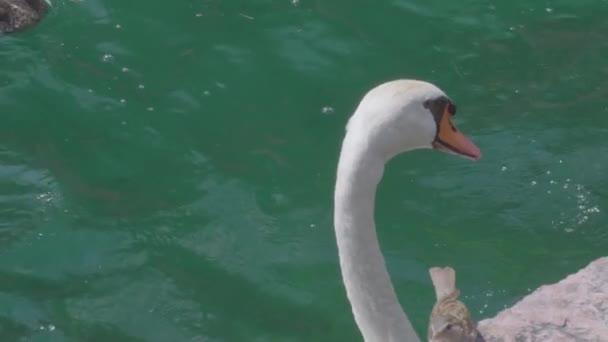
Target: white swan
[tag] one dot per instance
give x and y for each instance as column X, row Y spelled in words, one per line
column 394, row 117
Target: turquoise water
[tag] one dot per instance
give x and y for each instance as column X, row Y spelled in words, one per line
column 166, row 171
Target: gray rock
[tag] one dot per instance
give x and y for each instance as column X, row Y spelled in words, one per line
column 574, row 309
column 17, row 15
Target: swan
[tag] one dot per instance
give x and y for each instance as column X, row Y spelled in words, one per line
column 392, row 118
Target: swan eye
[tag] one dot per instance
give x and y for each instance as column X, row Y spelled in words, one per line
column 448, row 327
column 452, row 109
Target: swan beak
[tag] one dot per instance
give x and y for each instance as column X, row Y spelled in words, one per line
column 450, row 139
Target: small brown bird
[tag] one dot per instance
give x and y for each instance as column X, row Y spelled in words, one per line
column 450, row 319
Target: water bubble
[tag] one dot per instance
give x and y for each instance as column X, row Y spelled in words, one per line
column 220, row 85
column 124, row 69
column 123, row 101
column 118, row 26
column 124, row 123
column 295, row 2
column 312, row 225
column 206, row 93
column 533, row 183
column 51, row 327
column 327, row 110
column 141, row 86
column 198, row 15
column 150, row 109
column 503, row 168
column 46, row 197
column 552, row 182
column 107, row 58
column 548, row 172
column 549, row 9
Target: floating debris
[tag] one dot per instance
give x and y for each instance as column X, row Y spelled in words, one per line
column 246, row 16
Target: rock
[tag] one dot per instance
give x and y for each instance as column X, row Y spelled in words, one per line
column 16, row 15
column 574, row 309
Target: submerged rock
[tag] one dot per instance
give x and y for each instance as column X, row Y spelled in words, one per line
column 574, row 309
column 16, row 15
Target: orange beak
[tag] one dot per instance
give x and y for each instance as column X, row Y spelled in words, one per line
column 450, row 139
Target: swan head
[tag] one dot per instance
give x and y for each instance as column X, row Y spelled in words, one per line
column 404, row 115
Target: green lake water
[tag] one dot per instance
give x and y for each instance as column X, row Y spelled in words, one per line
column 167, row 168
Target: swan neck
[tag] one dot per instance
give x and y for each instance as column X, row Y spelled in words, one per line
column 370, row 291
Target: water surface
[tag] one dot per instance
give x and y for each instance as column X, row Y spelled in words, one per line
column 166, row 171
